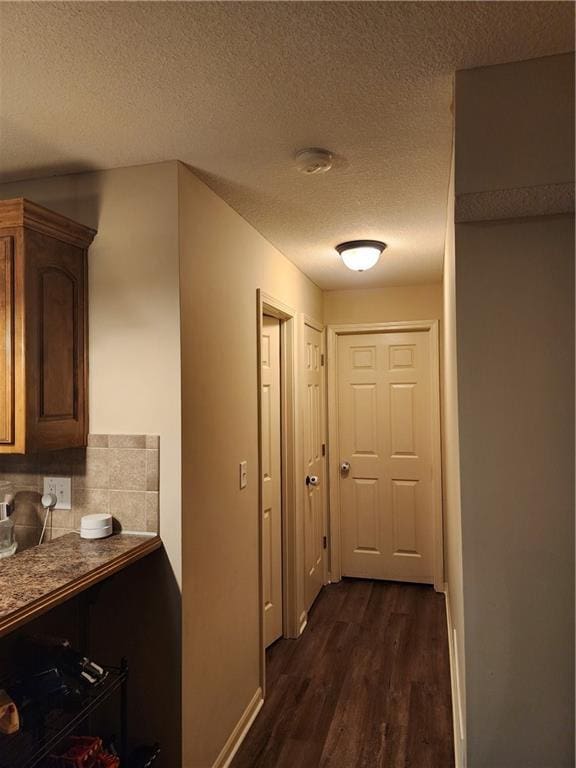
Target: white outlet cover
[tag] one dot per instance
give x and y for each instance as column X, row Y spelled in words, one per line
column 61, row 487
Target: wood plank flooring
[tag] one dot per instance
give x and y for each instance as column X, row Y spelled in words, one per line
column 366, row 686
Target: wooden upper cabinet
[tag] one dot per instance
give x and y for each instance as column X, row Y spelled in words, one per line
column 43, row 329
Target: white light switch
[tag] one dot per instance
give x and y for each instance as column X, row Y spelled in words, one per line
column 61, row 487
column 243, row 474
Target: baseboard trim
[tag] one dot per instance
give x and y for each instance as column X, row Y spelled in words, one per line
column 239, row 733
column 303, row 622
column 459, row 744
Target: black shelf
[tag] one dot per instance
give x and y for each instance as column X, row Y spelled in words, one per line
column 27, row 748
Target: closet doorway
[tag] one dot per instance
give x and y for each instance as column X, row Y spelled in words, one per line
column 279, row 559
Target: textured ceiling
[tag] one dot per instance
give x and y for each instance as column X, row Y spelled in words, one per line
column 235, row 88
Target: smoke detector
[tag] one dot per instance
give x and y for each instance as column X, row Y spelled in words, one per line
column 312, row 161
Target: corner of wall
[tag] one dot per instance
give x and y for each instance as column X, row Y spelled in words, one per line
column 451, row 486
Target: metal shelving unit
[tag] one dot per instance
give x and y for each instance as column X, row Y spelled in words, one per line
column 28, row 748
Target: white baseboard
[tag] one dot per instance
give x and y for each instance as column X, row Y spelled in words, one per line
column 239, row 733
column 457, row 724
column 303, row 622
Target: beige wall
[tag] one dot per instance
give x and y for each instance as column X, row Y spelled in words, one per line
column 451, row 485
column 382, row 305
column 515, row 125
column 223, row 262
column 135, row 389
column 515, row 342
column 515, row 294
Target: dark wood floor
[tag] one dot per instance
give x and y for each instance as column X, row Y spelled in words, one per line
column 366, row 686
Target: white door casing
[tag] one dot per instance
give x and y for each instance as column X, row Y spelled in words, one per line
column 313, row 434
column 384, row 419
column 271, row 479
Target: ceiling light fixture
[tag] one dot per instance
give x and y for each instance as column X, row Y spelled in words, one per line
column 360, row 255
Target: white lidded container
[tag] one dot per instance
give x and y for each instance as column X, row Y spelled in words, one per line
column 97, row 526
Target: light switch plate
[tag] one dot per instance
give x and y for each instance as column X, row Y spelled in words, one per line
column 61, row 487
column 243, row 474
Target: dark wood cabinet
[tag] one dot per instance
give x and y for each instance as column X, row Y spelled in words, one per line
column 43, row 329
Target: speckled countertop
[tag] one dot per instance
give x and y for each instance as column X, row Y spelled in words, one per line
column 39, row 578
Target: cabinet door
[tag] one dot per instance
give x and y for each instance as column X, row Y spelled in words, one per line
column 6, row 340
column 56, row 343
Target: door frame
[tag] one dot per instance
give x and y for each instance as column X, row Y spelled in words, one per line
column 268, row 305
column 333, row 331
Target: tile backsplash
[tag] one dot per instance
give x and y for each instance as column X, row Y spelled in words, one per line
column 115, row 473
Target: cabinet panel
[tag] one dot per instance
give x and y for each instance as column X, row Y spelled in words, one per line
column 6, row 340
column 55, row 342
column 58, row 316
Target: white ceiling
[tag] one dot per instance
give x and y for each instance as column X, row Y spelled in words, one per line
column 235, row 88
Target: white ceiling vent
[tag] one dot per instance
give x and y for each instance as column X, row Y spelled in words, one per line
column 311, row 161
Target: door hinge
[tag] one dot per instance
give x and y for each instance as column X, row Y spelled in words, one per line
column 323, row 449
column 321, row 359
column 324, row 542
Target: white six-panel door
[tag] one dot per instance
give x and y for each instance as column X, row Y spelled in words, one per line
column 271, row 479
column 313, row 423
column 385, row 433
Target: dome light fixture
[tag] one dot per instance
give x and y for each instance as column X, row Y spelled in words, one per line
column 360, row 255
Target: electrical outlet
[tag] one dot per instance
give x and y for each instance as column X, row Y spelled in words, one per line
column 243, row 474
column 61, row 487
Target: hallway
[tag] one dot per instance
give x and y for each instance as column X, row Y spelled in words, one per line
column 366, row 686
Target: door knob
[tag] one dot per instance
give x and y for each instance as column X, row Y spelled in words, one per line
column 345, row 467
column 312, row 480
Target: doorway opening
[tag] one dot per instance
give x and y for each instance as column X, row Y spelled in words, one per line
column 276, row 472
column 271, row 479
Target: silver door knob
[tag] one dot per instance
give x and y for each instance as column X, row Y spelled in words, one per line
column 312, row 480
column 345, row 467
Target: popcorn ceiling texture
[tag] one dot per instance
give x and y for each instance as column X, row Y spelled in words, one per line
column 115, row 473
column 543, row 200
column 233, row 89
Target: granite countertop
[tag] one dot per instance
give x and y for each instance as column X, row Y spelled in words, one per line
column 39, row 578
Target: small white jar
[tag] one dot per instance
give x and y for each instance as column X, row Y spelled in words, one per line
column 97, row 526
